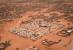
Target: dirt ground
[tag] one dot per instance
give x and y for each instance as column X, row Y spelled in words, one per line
column 23, row 43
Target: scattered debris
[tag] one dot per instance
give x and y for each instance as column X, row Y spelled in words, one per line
column 32, row 48
column 49, row 43
column 66, row 32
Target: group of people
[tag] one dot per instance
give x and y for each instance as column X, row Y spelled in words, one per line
column 36, row 27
